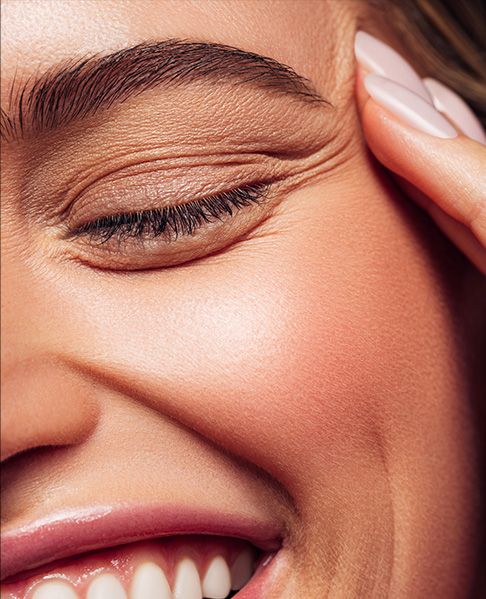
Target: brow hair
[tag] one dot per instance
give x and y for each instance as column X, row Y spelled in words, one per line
column 80, row 88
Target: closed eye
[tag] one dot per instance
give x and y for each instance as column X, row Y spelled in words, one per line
column 171, row 222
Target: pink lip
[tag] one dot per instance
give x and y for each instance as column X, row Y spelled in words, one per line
column 76, row 531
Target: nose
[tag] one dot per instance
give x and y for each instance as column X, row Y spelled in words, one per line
column 46, row 400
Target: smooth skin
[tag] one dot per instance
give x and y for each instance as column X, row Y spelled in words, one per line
column 446, row 177
column 320, row 374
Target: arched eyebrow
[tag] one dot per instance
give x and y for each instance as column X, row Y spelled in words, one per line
column 81, row 88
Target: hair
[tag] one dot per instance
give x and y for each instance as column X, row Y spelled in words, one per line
column 448, row 39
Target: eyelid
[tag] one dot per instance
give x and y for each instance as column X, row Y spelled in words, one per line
column 171, row 222
column 129, row 253
column 158, row 183
column 114, row 223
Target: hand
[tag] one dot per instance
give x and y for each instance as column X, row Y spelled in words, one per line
column 439, row 162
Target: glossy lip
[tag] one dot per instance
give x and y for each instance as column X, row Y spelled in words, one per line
column 76, row 531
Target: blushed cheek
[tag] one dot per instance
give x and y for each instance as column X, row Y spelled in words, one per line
column 322, row 351
column 294, row 346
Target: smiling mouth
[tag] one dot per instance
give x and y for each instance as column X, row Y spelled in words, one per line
column 137, row 552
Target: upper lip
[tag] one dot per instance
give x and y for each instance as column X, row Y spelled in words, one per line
column 78, row 530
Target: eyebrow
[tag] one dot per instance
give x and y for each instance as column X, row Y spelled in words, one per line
column 80, row 88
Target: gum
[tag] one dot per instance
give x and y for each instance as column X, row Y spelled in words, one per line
column 123, row 560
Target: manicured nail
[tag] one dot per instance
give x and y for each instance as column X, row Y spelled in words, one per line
column 408, row 106
column 451, row 104
column 379, row 58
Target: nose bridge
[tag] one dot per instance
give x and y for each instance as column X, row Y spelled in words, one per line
column 45, row 399
column 24, row 323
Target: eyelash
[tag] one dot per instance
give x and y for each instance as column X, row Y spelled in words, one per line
column 172, row 221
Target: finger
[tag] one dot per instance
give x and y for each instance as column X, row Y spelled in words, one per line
column 414, row 141
column 442, row 171
column 454, row 107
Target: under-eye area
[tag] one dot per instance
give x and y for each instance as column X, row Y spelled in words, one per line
column 182, row 567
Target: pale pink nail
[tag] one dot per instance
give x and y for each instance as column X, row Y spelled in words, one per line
column 379, row 58
column 408, row 106
column 451, row 104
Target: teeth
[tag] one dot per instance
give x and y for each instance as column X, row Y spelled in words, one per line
column 54, row 589
column 217, row 580
column 150, row 582
column 106, row 586
column 187, row 584
column 242, row 570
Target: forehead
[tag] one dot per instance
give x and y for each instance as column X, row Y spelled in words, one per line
column 304, row 34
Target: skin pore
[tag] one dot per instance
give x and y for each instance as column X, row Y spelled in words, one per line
column 300, row 364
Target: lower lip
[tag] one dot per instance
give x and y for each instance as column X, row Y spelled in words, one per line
column 266, row 578
column 78, row 531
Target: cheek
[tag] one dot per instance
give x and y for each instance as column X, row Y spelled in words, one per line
column 320, row 353
column 302, row 344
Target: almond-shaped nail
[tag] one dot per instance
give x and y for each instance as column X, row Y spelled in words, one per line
column 451, row 104
column 379, row 58
column 408, row 107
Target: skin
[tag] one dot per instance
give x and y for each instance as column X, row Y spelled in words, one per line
column 317, row 371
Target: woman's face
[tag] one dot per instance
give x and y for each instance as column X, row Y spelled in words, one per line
column 288, row 375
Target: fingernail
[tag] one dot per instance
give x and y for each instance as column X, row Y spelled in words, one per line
column 379, row 58
column 451, row 104
column 408, row 106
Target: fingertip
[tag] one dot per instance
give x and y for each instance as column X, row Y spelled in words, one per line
column 456, row 109
column 408, row 107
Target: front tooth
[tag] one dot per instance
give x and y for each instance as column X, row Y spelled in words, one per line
column 106, row 586
column 187, row 584
column 242, row 570
column 54, row 589
column 217, row 580
column 150, row 582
